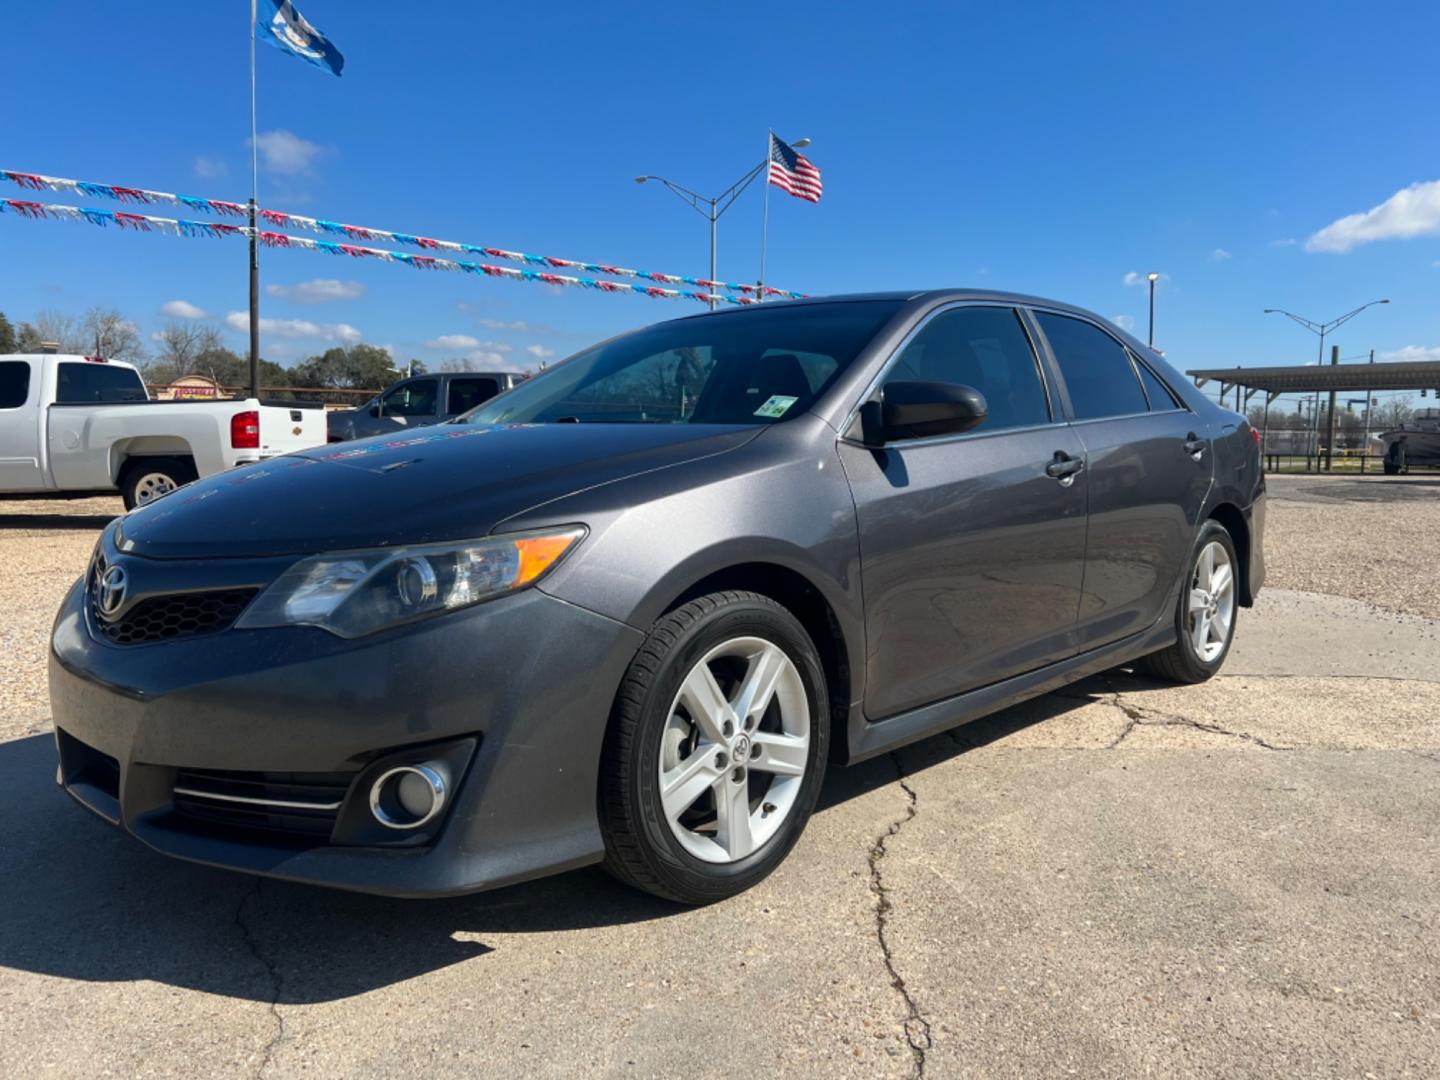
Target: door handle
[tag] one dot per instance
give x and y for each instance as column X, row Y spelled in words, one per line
column 1194, row 447
column 1064, row 468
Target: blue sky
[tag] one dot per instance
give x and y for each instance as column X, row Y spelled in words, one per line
column 1052, row 149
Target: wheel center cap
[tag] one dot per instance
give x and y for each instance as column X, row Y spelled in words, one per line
column 740, row 748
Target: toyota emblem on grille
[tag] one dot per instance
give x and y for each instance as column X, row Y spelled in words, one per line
column 112, row 591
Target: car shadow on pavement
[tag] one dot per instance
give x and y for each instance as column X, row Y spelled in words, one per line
column 81, row 900
column 66, row 522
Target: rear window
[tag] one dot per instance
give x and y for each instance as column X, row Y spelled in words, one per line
column 14, row 383
column 81, row 382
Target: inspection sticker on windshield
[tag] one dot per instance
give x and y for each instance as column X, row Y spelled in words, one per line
column 776, row 406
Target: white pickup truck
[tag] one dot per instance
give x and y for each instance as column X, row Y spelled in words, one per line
column 77, row 424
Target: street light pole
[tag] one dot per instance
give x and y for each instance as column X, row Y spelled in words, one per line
column 1322, row 329
column 711, row 208
column 1152, row 277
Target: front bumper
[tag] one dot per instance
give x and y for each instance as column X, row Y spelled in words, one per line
column 527, row 680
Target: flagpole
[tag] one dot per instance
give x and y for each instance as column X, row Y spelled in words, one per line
column 765, row 216
column 254, row 236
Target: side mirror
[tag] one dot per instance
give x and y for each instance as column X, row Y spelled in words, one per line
column 919, row 410
column 375, row 409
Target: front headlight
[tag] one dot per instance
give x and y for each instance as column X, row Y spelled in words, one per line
column 353, row 593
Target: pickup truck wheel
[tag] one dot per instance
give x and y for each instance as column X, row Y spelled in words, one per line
column 144, row 480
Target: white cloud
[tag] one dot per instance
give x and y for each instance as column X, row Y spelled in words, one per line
column 181, row 309
column 489, row 360
column 452, row 342
column 285, row 152
column 1219, row 255
column 540, row 352
column 318, row 291
column 1124, row 322
column 207, row 167
column 1412, row 353
column 1132, row 278
column 296, row 328
column 520, row 326
column 1411, row 211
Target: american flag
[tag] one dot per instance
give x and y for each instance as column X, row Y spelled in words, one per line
column 792, row 172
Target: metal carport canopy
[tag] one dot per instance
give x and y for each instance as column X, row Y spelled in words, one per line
column 1305, row 378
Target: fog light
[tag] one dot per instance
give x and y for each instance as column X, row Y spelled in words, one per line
column 408, row 796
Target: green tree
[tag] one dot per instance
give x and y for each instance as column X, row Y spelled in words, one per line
column 28, row 339
column 8, row 343
column 360, row 367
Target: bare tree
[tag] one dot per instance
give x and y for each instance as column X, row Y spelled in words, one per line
column 184, row 345
column 111, row 335
column 1393, row 412
column 62, row 329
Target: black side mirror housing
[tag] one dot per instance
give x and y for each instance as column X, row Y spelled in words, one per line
column 920, row 410
column 374, row 410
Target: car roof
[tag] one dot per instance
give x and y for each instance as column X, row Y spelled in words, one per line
column 904, row 296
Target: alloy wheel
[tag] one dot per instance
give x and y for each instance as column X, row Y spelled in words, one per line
column 151, row 486
column 735, row 748
column 1211, row 610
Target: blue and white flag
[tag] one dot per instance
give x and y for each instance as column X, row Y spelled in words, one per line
column 281, row 25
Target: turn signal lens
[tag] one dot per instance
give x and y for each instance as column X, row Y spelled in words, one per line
column 539, row 553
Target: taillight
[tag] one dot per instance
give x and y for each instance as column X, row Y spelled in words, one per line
column 245, row 430
column 1255, row 435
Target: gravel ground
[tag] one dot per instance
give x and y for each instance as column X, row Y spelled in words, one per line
column 44, row 545
column 1369, row 538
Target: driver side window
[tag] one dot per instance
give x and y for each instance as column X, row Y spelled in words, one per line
column 410, row 399
column 985, row 348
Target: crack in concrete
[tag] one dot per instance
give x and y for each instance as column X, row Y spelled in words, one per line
column 276, row 981
column 1139, row 716
column 917, row 1028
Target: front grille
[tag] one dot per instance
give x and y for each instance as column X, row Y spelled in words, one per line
column 289, row 806
column 179, row 615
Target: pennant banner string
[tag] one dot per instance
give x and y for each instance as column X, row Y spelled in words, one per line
column 180, row 227
column 141, row 196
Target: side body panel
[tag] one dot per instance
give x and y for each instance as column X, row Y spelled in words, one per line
column 972, row 560
column 22, row 434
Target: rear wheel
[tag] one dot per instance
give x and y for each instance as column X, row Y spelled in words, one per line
column 1205, row 615
column 145, row 479
column 716, row 749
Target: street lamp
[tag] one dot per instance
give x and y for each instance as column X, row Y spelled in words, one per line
column 1152, row 277
column 712, row 208
column 1322, row 329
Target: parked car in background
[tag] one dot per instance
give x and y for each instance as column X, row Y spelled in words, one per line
column 83, row 424
column 1415, row 442
column 418, row 401
column 627, row 612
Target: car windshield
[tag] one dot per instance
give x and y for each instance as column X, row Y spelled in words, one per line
column 758, row 366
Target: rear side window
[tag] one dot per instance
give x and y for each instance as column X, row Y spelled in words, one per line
column 1096, row 367
column 465, row 394
column 985, row 348
column 1161, row 399
column 14, row 383
column 80, row 382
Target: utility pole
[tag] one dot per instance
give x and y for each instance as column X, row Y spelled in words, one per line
column 254, row 232
column 1152, row 277
column 1330, row 444
column 1365, row 441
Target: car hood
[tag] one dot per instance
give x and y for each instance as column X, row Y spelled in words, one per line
column 450, row 482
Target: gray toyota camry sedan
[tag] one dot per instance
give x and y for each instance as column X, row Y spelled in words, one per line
column 628, row 611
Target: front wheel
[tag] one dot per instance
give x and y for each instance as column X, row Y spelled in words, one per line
column 716, row 749
column 146, row 479
column 1205, row 616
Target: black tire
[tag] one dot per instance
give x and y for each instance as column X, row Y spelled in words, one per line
column 640, row 847
column 137, row 477
column 1180, row 662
